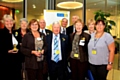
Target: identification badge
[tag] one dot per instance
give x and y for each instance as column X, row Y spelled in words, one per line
column 94, row 51
column 76, row 55
column 57, row 52
column 39, row 39
column 82, row 42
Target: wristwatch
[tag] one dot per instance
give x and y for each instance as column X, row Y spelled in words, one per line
column 110, row 63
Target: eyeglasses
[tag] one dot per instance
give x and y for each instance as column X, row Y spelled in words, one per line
column 100, row 25
column 34, row 24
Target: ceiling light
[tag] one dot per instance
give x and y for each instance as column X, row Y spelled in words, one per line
column 34, row 6
column 12, row 1
column 70, row 5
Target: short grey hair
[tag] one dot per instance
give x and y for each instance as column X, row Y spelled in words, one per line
column 23, row 19
column 56, row 22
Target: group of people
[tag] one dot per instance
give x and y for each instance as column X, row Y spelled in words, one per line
column 46, row 53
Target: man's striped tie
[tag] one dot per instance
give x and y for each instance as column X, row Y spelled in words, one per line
column 56, row 50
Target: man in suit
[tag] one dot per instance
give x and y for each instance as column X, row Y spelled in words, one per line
column 42, row 29
column 64, row 24
column 71, row 29
column 57, row 53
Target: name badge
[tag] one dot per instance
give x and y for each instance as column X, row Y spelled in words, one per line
column 76, row 55
column 82, row 42
column 57, row 52
column 94, row 51
column 39, row 39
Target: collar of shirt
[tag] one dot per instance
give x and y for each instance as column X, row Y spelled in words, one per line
column 73, row 28
column 58, row 36
column 43, row 31
column 62, row 29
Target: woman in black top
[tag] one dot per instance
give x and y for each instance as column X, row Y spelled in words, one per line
column 34, row 47
column 10, row 67
column 19, row 33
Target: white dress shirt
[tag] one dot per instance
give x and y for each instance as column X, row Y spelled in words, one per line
column 59, row 47
column 62, row 28
column 43, row 31
column 73, row 28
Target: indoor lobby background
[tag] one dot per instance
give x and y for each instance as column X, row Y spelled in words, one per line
column 35, row 8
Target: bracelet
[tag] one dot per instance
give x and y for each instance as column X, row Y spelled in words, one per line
column 110, row 63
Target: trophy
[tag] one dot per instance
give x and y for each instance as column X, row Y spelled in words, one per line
column 39, row 50
column 15, row 47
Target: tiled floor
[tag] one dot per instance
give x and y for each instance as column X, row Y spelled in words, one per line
column 114, row 74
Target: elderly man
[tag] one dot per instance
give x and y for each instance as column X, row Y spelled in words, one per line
column 64, row 24
column 57, row 53
column 42, row 29
column 42, row 24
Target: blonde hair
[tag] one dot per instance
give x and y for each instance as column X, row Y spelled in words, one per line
column 91, row 21
column 7, row 16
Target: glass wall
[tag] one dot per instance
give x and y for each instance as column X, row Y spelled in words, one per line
column 35, row 9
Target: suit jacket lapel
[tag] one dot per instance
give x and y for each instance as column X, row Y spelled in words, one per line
column 61, row 40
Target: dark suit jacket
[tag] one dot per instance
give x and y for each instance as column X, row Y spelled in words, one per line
column 69, row 29
column 64, row 43
column 28, row 44
column 48, row 31
column 83, row 49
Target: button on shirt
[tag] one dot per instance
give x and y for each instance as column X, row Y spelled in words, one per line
column 42, row 30
column 59, row 47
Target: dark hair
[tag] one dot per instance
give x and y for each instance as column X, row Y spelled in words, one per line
column 100, row 20
column 33, row 21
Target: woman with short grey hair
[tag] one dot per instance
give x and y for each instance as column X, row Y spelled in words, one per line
column 19, row 34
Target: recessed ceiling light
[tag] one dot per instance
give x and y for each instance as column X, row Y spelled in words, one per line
column 34, row 6
column 12, row 1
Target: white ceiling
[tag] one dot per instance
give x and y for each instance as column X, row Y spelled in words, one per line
column 107, row 5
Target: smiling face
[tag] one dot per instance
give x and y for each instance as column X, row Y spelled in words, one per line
column 64, row 22
column 100, row 26
column 56, row 28
column 91, row 26
column 42, row 24
column 34, row 26
column 23, row 25
column 8, row 23
column 74, row 18
column 78, row 26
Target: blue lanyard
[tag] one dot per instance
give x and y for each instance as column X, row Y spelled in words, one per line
column 95, row 41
